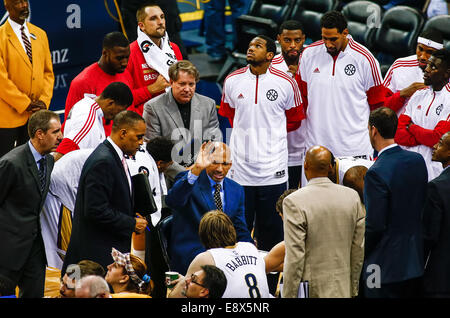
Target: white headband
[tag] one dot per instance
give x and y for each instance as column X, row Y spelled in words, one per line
column 430, row 43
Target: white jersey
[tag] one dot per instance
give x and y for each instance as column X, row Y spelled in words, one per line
column 84, row 124
column 345, row 163
column 144, row 162
column 62, row 191
column 296, row 138
column 427, row 108
column 258, row 141
column 244, row 269
column 402, row 73
column 338, row 108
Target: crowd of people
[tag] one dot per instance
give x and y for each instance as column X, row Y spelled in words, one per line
column 331, row 182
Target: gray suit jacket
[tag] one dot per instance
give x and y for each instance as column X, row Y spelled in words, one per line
column 163, row 118
column 21, row 201
column 324, row 237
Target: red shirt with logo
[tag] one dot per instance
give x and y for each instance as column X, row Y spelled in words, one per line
column 143, row 76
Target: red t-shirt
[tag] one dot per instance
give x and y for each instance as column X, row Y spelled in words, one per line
column 143, row 75
column 93, row 80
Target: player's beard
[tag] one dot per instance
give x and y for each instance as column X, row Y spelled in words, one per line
column 291, row 60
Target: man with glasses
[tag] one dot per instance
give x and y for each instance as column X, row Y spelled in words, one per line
column 208, row 282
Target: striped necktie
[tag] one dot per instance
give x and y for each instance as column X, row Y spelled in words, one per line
column 42, row 163
column 27, row 44
column 217, row 198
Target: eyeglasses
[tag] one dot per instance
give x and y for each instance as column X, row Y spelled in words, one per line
column 193, row 278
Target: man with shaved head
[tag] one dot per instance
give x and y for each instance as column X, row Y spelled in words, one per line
column 323, row 233
column 436, row 224
column 203, row 188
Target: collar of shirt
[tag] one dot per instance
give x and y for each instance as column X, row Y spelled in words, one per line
column 253, row 76
column 213, row 183
column 116, row 148
column 386, row 148
column 16, row 28
column 36, row 155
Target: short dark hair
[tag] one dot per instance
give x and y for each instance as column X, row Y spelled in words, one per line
column 113, row 39
column 40, row 120
column 433, row 35
column 270, row 43
column 160, row 148
column 444, row 55
column 126, row 119
column 215, row 280
column 291, row 25
column 333, row 19
column 385, row 121
column 279, row 204
column 119, row 92
column 87, row 267
column 140, row 13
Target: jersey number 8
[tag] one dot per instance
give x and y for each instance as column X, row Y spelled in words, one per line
column 251, row 282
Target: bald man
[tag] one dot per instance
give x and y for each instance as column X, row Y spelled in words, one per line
column 323, row 233
column 203, row 188
column 436, row 224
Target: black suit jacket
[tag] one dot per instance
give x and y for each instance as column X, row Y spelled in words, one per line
column 436, row 223
column 21, row 202
column 103, row 215
column 394, row 195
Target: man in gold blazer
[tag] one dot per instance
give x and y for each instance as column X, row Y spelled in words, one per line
column 26, row 74
column 324, row 227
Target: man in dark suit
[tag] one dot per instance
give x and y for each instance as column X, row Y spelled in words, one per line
column 103, row 215
column 200, row 190
column 394, row 195
column 436, row 223
column 25, row 177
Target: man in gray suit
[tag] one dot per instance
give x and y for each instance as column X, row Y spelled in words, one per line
column 25, row 178
column 182, row 115
column 323, row 233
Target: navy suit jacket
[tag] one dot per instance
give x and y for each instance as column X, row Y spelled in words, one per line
column 436, row 221
column 189, row 203
column 394, row 194
column 103, row 217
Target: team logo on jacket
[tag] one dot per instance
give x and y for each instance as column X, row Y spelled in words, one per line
column 439, row 109
column 272, row 95
column 145, row 46
column 350, row 69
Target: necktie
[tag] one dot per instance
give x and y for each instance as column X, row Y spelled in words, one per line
column 217, row 199
column 27, row 44
column 127, row 173
column 42, row 163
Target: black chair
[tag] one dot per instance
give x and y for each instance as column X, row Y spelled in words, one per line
column 309, row 13
column 264, row 17
column 440, row 23
column 164, row 229
column 397, row 35
column 363, row 17
column 157, row 258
